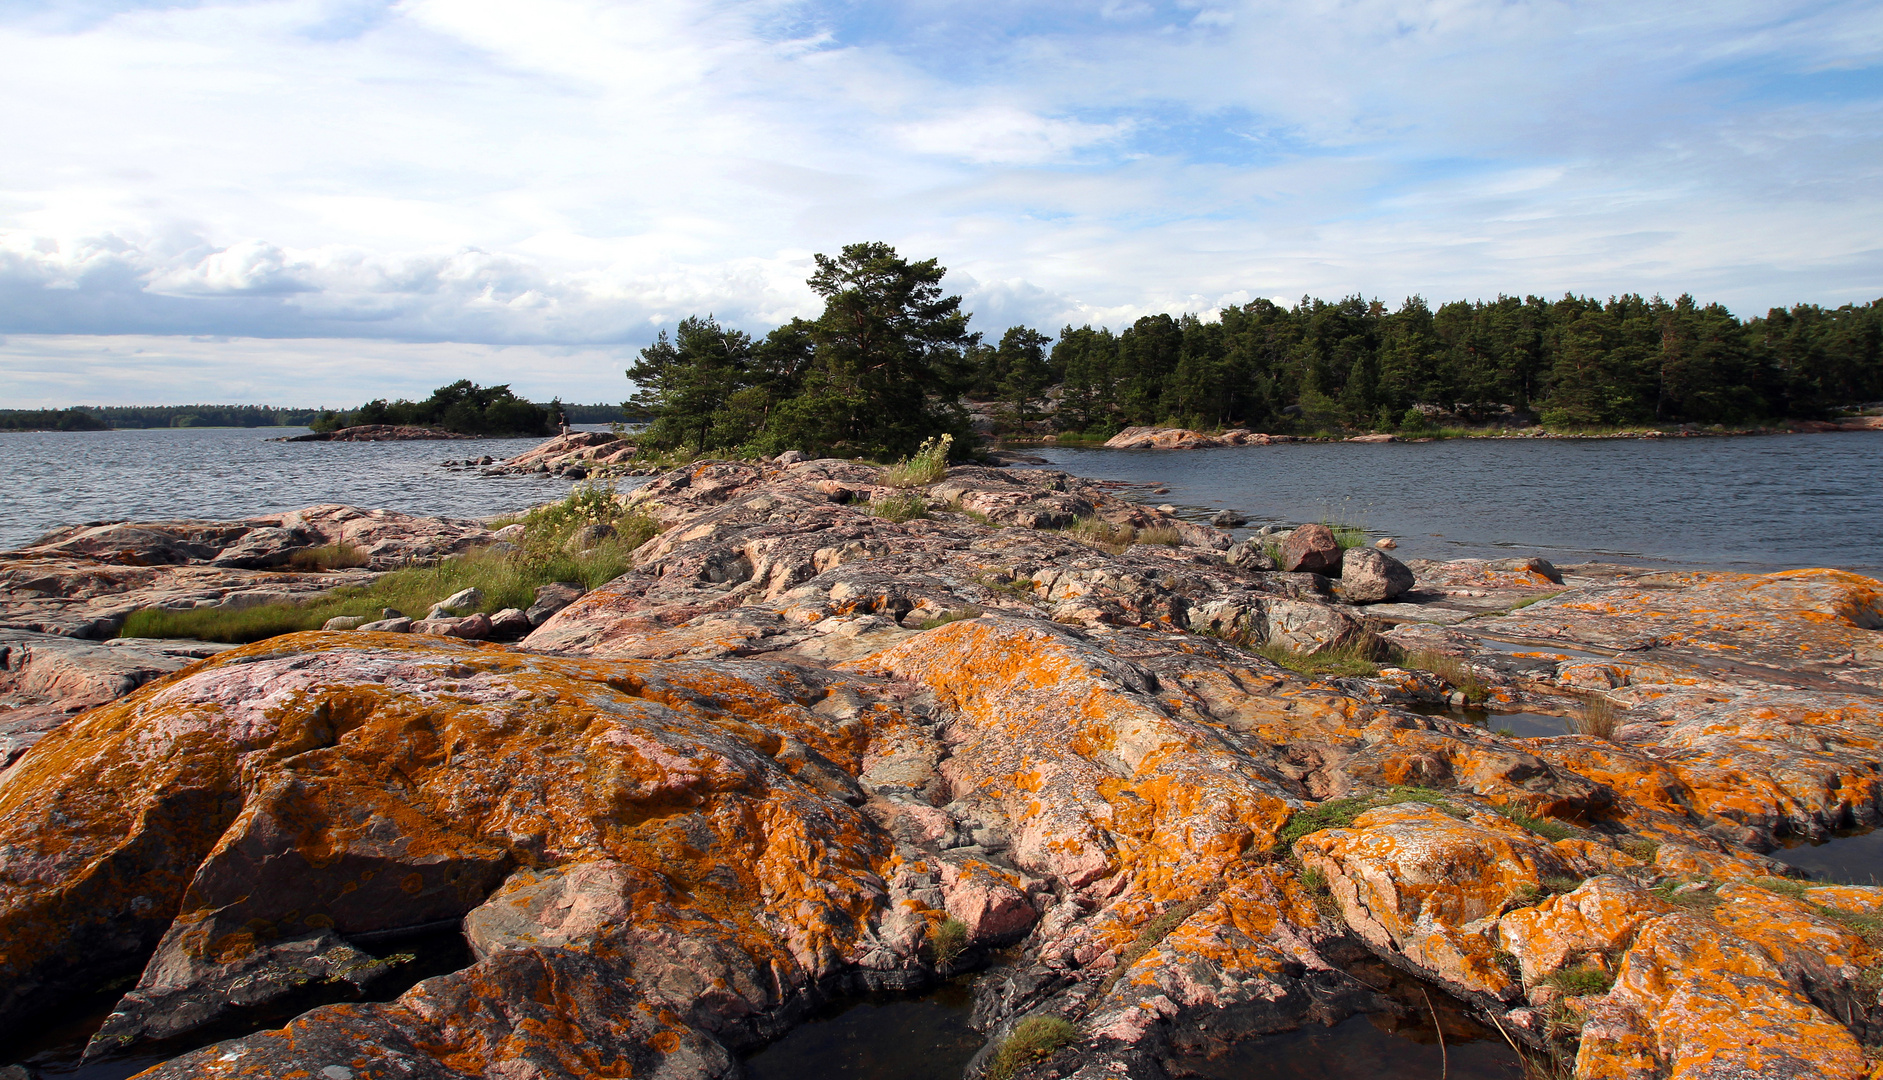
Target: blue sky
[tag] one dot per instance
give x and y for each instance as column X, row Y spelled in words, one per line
column 303, row 201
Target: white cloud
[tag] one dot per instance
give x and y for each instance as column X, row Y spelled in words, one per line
column 576, row 173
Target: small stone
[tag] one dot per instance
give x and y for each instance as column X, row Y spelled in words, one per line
column 1166, row 508
column 790, row 457
column 344, row 622
column 1386, row 543
column 510, row 624
column 1228, row 519
column 552, row 598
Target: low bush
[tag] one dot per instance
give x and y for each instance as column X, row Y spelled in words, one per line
column 1034, row 1039
column 1167, row 537
column 929, row 464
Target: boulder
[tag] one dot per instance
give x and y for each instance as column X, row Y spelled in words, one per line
column 552, row 598
column 345, row 622
column 1370, row 576
column 460, row 602
column 1311, row 548
column 509, row 624
column 1228, row 519
column 1251, row 555
column 399, row 625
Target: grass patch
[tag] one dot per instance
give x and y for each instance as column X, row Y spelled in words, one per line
column 929, row 464
column 340, row 556
column 506, row 579
column 1103, row 534
column 1347, row 536
column 1034, row 1039
column 1676, row 891
column 1322, row 894
column 1165, row 536
column 1641, row 847
column 1458, row 674
column 905, row 506
column 1352, row 658
column 1578, row 981
column 947, row 940
column 1339, row 813
column 955, row 507
column 1545, row 827
column 1539, row 598
column 1598, row 717
column 1017, row 587
column 946, row 617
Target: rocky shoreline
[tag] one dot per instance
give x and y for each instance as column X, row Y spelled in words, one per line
column 802, row 749
column 1173, row 438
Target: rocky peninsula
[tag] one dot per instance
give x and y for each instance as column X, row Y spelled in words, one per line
column 829, row 735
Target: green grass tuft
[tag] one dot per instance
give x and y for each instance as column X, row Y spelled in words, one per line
column 1545, row 827
column 1034, row 1039
column 1578, row 981
column 1352, row 658
column 929, row 464
column 1457, row 673
column 969, row 612
column 507, row 580
column 906, row 506
column 947, row 940
column 1339, row 813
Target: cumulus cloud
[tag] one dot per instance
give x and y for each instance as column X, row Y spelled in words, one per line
column 577, row 173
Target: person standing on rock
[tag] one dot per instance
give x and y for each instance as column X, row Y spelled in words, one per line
column 562, row 421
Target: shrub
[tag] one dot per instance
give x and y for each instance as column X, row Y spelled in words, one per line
column 929, row 464
column 947, row 940
column 906, row 506
column 1168, row 537
column 1103, row 534
column 1597, row 717
column 1034, row 1039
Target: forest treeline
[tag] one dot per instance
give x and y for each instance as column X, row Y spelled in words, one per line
column 890, row 358
column 463, row 407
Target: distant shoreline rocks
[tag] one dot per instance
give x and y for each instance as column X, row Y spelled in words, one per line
column 376, row 433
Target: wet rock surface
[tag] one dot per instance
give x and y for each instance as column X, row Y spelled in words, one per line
column 800, row 751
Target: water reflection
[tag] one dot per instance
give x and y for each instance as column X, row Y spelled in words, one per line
column 1368, row 1047
column 878, row 1037
column 1521, row 725
column 1854, row 858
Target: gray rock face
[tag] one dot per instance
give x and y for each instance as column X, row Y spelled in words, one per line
column 76, row 673
column 1370, row 576
column 550, row 599
column 1311, row 548
column 400, row 625
column 461, row 602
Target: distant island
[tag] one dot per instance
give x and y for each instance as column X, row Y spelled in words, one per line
column 108, row 417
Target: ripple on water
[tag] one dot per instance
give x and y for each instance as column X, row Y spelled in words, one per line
column 1853, row 858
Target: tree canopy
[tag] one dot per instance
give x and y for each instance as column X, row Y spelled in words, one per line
column 891, row 357
column 463, row 407
column 879, row 371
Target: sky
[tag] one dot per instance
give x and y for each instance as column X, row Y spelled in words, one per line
column 318, row 202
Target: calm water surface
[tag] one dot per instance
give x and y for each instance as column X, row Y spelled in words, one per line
column 1748, row 503
column 52, row 479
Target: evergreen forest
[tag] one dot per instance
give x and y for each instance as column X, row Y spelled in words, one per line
column 891, row 359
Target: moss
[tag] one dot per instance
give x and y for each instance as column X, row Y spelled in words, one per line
column 969, row 612
column 1034, row 1039
column 1339, row 813
column 1544, row 827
